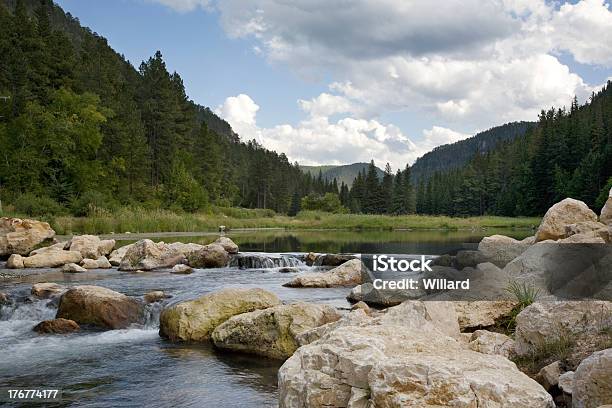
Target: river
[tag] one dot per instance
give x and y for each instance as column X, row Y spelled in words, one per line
column 135, row 367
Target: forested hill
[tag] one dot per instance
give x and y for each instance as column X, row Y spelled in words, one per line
column 452, row 156
column 568, row 154
column 81, row 128
column 346, row 173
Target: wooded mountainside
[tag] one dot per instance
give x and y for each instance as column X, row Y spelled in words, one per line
column 81, row 127
column 454, row 155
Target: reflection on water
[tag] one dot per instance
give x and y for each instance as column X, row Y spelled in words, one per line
column 135, row 367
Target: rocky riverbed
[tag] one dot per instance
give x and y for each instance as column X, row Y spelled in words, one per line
column 104, row 322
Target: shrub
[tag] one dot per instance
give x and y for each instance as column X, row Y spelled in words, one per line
column 330, row 202
column 36, row 206
column 93, row 202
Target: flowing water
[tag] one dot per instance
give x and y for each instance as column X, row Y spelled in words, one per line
column 135, row 367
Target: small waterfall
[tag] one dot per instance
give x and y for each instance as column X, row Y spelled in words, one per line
column 30, row 310
column 252, row 260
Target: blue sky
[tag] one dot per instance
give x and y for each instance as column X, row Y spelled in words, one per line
column 386, row 80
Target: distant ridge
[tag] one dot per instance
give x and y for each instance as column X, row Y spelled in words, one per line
column 455, row 155
column 342, row 173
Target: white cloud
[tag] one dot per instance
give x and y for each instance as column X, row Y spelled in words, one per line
column 439, row 135
column 184, row 5
column 240, row 112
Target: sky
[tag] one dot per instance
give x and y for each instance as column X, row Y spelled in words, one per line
column 336, row 82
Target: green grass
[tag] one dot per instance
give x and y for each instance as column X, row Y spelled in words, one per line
column 145, row 220
column 556, row 349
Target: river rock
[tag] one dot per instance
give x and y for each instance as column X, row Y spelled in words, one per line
column 588, row 227
column 47, row 290
column 543, row 322
column 310, row 258
column 272, row 332
column 209, row 256
column 185, row 248
column 500, row 249
column 467, row 259
column 333, row 259
column 147, row 255
column 606, row 211
column 347, row 274
column 549, row 375
column 89, row 264
column 592, row 385
column 227, row 244
column 155, row 296
column 196, row 319
column 57, row 326
column 52, row 259
column 382, row 297
column 181, row 269
column 91, row 246
column 100, row 307
column 117, row 255
column 4, row 299
column 73, row 268
column 487, row 342
column 566, row 382
column 58, row 246
column 402, row 360
column 482, row 313
column 563, row 213
column 20, row 236
column 103, row 263
column 15, row 261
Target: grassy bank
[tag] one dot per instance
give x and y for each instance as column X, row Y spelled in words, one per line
column 140, row 220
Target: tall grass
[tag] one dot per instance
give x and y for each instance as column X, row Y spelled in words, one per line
column 158, row 220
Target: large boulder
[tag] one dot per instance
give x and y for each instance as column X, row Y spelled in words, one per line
column 272, row 332
column 606, row 211
column 117, row 255
column 185, row 248
column 147, row 255
column 543, row 322
column 482, row 313
column 402, row 358
column 209, row 256
column 73, row 268
column 91, row 246
column 592, row 385
column 499, row 249
column 52, row 259
column 57, row 326
column 195, row 320
column 595, row 229
column 99, row 307
column 347, row 274
column 227, row 244
column 563, row 213
column 20, row 236
column 58, row 246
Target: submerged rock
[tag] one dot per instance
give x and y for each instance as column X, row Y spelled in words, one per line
column 195, row 320
column 272, row 332
column 147, row 255
column 91, row 246
column 347, row 274
column 181, row 269
column 47, row 290
column 100, row 307
column 21, row 236
column 57, row 326
column 155, row 296
column 563, row 213
column 209, row 256
column 52, row 259
column 592, row 386
column 73, row 268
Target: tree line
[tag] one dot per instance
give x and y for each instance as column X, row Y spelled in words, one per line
column 81, row 128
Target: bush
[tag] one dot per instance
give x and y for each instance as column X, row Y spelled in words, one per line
column 182, row 191
column 93, row 202
column 330, row 202
column 35, row 206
